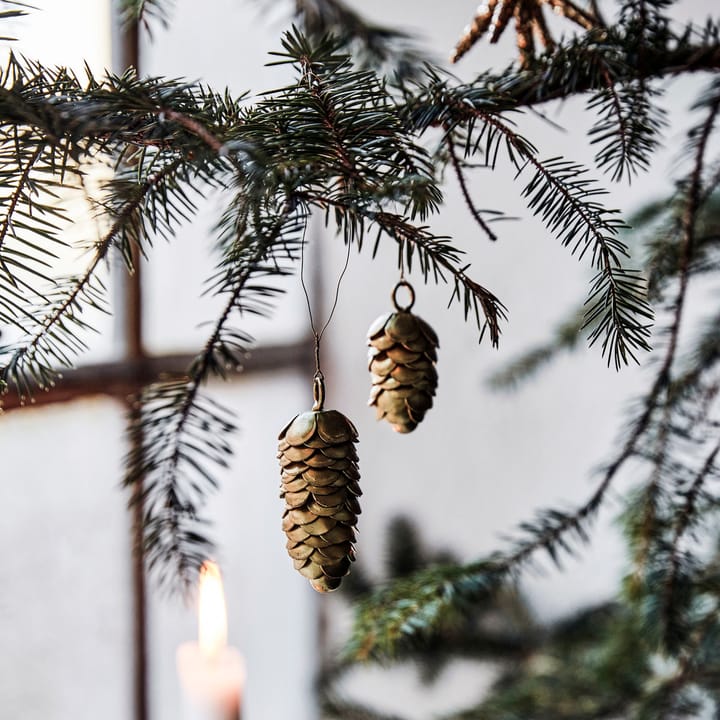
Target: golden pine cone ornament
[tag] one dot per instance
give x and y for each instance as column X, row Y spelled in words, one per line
column 319, row 466
column 402, row 357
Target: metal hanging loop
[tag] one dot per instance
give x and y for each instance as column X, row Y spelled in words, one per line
column 318, row 391
column 403, row 284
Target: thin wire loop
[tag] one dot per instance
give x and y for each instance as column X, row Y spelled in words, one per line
column 317, row 336
column 403, row 283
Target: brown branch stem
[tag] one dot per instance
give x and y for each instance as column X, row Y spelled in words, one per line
column 17, row 192
column 195, row 128
column 466, row 192
column 528, row 91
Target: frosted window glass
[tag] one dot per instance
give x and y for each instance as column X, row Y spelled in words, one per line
column 70, row 33
column 65, row 598
column 67, row 33
column 178, row 317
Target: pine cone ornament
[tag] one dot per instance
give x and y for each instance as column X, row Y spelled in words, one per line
column 402, row 356
column 319, row 466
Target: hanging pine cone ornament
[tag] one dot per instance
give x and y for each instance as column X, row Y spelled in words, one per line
column 319, row 466
column 402, row 356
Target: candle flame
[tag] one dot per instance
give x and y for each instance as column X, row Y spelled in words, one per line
column 212, row 612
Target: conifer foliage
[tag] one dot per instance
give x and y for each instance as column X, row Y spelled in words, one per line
column 348, row 139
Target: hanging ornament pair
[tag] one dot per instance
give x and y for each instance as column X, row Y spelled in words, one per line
column 316, row 450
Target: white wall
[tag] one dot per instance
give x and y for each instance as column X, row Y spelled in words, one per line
column 65, row 623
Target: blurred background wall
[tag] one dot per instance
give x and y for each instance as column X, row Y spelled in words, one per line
column 480, row 463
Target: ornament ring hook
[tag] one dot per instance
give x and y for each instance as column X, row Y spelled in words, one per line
column 318, row 391
column 403, row 284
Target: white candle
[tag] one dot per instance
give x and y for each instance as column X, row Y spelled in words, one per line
column 212, row 674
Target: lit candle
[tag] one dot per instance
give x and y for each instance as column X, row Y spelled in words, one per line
column 212, row 673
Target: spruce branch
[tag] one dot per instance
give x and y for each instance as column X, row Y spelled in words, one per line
column 32, row 362
column 676, row 564
column 350, row 173
column 436, row 257
column 663, row 248
column 185, row 433
column 367, row 163
column 339, row 140
column 672, row 696
column 627, row 127
column 15, row 197
column 194, row 127
column 71, row 122
column 560, row 194
column 407, row 611
column 579, row 66
column 656, row 555
column 549, row 81
column 410, row 609
column 502, row 627
column 689, row 219
column 175, row 539
column 591, row 665
column 350, row 111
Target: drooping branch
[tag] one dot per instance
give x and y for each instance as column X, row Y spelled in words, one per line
column 410, row 609
column 560, row 194
column 627, row 125
column 185, row 432
column 653, row 399
column 437, row 258
column 407, row 610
